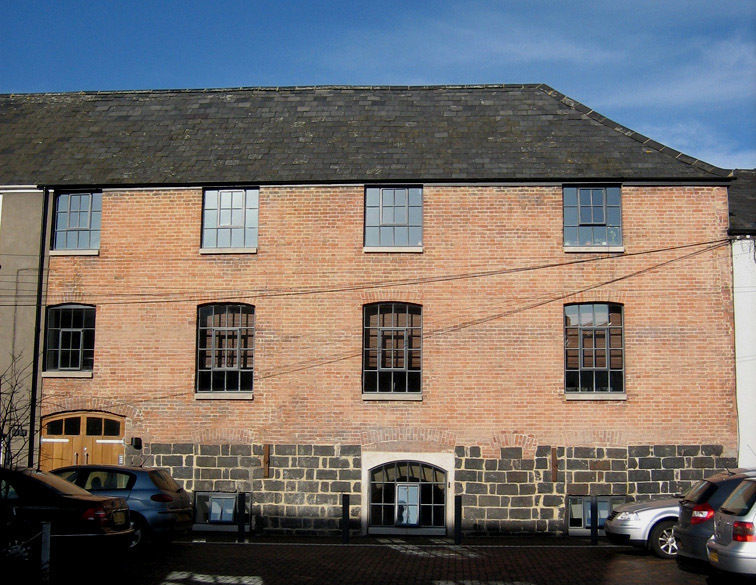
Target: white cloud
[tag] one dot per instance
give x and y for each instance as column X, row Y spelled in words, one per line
column 704, row 142
column 467, row 41
column 713, row 72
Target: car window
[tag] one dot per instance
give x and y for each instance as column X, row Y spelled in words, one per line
column 741, row 499
column 56, row 483
column 724, row 489
column 68, row 474
column 7, row 491
column 164, row 481
column 700, row 492
column 107, row 480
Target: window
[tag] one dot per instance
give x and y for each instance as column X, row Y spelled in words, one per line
column 225, row 348
column 592, row 216
column 392, row 349
column 407, row 494
column 77, row 221
column 393, row 217
column 230, row 218
column 70, row 338
column 594, row 360
column 579, row 512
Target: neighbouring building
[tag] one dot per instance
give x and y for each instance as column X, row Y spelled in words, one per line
column 402, row 294
column 743, row 231
column 21, row 285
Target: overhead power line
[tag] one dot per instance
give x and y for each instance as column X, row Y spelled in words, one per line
column 235, row 294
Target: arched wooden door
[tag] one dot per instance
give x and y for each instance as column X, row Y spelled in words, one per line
column 80, row 438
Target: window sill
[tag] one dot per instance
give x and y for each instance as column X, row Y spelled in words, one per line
column 400, row 249
column 571, row 249
column 75, row 252
column 619, row 396
column 67, row 374
column 228, row 251
column 415, row 397
column 224, row 395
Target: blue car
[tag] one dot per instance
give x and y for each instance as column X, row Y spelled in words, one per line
column 160, row 508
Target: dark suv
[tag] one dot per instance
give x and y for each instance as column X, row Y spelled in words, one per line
column 695, row 523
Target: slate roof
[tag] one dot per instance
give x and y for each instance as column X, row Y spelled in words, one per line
column 742, row 195
column 324, row 134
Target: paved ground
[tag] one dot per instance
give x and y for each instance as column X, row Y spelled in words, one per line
column 390, row 561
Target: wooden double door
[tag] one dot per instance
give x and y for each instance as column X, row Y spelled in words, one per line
column 81, row 438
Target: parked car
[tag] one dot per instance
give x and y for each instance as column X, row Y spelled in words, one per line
column 160, row 508
column 695, row 523
column 78, row 519
column 645, row 524
column 732, row 547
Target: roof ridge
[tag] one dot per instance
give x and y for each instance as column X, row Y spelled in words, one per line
column 274, row 88
column 630, row 133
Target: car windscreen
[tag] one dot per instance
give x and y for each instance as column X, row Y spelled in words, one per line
column 700, row 492
column 58, row 484
column 164, row 481
column 740, row 500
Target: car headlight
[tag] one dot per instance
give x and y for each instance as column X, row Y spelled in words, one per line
column 627, row 516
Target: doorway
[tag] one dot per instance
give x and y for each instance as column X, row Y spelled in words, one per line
column 407, row 497
column 81, row 438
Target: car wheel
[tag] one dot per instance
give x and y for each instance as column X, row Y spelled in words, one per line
column 139, row 536
column 662, row 540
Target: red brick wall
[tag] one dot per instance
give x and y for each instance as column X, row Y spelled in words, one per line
column 502, row 376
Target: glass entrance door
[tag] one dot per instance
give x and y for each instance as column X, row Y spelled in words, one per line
column 407, row 504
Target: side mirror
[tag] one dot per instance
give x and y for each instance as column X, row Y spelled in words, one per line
column 136, row 442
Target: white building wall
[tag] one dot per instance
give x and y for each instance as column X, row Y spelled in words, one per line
column 744, row 287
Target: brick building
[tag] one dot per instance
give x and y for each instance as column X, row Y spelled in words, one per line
column 400, row 294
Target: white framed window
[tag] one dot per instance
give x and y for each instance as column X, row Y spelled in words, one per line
column 77, row 221
column 393, row 218
column 230, row 219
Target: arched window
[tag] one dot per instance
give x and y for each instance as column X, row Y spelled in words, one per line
column 225, row 348
column 70, row 338
column 407, row 494
column 392, row 348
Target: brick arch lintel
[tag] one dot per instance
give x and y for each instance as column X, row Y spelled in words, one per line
column 223, row 436
column 88, row 403
column 387, row 295
column 407, row 439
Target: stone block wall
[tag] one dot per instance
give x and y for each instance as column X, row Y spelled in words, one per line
column 299, row 491
column 522, row 493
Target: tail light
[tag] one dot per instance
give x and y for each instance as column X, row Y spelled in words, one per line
column 701, row 513
column 743, row 532
column 161, row 498
column 95, row 514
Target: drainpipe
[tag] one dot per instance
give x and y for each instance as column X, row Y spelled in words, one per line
column 38, row 327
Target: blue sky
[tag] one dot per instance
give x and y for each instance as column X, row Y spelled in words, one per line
column 681, row 72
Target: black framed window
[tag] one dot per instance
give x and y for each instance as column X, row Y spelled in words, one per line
column 229, row 218
column 407, row 494
column 225, row 348
column 77, row 221
column 392, row 348
column 393, row 217
column 594, row 348
column 70, row 337
column 592, row 216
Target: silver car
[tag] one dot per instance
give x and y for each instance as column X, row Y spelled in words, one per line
column 645, row 524
column 732, row 547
